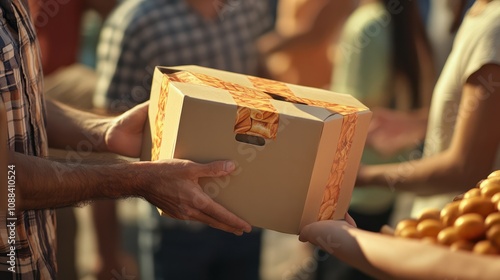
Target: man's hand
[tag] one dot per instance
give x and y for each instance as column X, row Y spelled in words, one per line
column 172, row 186
column 124, row 134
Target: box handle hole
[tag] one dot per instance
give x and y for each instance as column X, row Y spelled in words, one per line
column 250, row 139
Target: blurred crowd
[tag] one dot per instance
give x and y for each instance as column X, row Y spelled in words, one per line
column 99, row 56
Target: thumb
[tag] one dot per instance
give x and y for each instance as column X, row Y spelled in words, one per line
column 304, row 233
column 139, row 111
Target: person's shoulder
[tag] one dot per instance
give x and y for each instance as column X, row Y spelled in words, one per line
column 481, row 31
column 484, row 23
column 493, row 25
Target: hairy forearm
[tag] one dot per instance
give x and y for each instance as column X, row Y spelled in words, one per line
column 50, row 184
column 71, row 128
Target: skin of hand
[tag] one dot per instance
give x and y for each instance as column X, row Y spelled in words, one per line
column 312, row 231
column 392, row 131
column 184, row 198
column 124, row 133
column 334, row 237
column 319, row 232
column 124, row 136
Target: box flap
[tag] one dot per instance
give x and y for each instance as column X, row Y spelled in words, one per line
column 300, row 91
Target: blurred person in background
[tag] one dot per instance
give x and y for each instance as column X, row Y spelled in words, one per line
column 59, row 26
column 392, row 125
column 384, row 60
column 142, row 34
column 396, row 130
column 463, row 105
column 297, row 50
column 457, row 154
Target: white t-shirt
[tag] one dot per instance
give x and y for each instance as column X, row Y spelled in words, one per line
column 477, row 43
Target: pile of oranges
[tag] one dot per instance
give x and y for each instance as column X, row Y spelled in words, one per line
column 471, row 223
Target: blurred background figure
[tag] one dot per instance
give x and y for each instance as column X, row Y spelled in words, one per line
column 455, row 158
column 141, row 34
column 59, row 26
column 383, row 58
column 145, row 33
column 298, row 49
column 394, row 130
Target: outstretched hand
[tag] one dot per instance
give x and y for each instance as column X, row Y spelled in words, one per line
column 325, row 234
column 173, row 187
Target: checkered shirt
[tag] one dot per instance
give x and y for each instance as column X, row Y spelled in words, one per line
column 21, row 83
column 142, row 34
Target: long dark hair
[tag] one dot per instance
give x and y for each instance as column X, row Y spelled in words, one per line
column 463, row 5
column 408, row 28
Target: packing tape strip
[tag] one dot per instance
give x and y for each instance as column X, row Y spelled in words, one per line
column 256, row 114
column 160, row 118
column 346, row 137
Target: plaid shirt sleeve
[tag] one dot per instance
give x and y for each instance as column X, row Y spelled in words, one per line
column 27, row 239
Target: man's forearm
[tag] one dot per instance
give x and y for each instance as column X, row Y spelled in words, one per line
column 71, row 128
column 50, row 184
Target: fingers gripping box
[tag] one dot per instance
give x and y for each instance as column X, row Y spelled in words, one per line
column 297, row 148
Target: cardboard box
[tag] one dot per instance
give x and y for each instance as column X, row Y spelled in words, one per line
column 297, row 148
